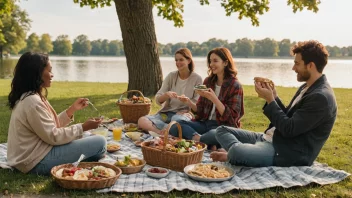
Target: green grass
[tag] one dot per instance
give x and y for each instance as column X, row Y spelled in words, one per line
column 337, row 151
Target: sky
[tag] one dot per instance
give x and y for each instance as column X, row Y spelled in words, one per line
column 332, row 25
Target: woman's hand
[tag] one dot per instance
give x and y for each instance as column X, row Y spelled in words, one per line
column 209, row 94
column 184, row 99
column 79, row 104
column 171, row 94
column 91, row 123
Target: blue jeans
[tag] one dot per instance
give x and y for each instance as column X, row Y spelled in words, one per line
column 206, row 130
column 161, row 120
column 93, row 147
column 245, row 147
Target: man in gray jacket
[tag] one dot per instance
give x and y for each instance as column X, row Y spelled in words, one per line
column 297, row 132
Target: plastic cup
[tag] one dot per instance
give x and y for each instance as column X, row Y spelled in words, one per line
column 117, row 133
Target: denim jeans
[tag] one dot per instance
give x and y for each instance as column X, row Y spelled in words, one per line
column 161, row 120
column 93, row 147
column 206, row 130
column 245, row 147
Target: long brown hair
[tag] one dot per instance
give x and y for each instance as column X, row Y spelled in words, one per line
column 185, row 52
column 225, row 55
column 28, row 77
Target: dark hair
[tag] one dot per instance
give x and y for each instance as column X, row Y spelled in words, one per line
column 225, row 55
column 188, row 55
column 312, row 51
column 27, row 77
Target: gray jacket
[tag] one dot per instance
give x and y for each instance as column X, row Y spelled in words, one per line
column 169, row 85
column 302, row 131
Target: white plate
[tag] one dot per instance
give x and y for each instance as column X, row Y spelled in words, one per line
column 157, row 175
column 229, row 169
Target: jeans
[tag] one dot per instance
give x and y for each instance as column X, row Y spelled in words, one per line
column 161, row 120
column 245, row 147
column 93, row 147
column 206, row 130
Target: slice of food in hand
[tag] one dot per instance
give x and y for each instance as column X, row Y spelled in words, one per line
column 200, row 87
column 264, row 80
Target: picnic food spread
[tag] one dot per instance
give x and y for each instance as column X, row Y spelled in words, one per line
column 209, row 171
column 176, row 145
column 134, row 99
column 264, row 80
column 89, row 173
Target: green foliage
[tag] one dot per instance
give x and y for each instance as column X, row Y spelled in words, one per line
column 62, row 45
column 81, row 45
column 244, row 47
column 33, row 43
column 45, row 44
column 6, row 7
column 14, row 28
column 172, row 10
column 301, row 4
column 93, row 3
column 116, row 48
column 285, row 47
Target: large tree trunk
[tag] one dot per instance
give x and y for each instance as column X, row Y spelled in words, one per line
column 140, row 45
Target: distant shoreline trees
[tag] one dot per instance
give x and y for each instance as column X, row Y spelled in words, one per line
column 82, row 46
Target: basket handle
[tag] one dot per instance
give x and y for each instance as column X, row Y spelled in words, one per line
column 140, row 93
column 166, row 134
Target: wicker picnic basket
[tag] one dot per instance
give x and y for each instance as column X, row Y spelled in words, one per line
column 131, row 112
column 133, row 169
column 86, row 184
column 168, row 159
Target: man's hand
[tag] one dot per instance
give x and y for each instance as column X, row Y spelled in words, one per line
column 264, row 91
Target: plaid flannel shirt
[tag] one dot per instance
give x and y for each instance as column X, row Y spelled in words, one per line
column 231, row 96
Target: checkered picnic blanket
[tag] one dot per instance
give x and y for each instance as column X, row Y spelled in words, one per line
column 245, row 178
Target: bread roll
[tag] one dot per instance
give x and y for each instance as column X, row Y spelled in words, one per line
column 264, row 80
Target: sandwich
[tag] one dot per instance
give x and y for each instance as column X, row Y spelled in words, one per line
column 264, row 80
column 200, row 87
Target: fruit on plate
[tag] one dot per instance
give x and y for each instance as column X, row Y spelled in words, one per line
column 128, row 161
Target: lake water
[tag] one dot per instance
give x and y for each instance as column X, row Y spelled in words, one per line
column 114, row 69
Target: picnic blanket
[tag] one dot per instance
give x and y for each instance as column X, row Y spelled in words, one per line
column 245, row 178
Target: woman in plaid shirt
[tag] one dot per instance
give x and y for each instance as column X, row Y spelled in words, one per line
column 221, row 104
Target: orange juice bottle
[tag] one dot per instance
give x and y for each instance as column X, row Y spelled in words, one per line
column 117, row 133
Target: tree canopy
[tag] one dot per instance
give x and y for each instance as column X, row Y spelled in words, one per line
column 14, row 29
column 173, row 9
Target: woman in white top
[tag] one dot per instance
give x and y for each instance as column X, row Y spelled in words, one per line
column 38, row 138
column 177, row 85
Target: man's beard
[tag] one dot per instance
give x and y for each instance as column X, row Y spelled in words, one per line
column 303, row 76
